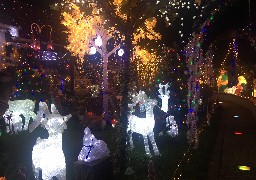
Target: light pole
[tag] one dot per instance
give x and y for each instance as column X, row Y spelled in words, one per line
column 100, row 45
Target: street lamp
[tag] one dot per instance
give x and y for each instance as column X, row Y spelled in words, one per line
column 100, row 45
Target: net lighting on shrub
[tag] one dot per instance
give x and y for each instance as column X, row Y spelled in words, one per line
column 47, row 154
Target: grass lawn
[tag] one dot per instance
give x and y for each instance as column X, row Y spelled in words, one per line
column 16, row 151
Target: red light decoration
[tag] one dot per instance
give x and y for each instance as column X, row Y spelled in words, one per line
column 238, row 133
column 114, row 122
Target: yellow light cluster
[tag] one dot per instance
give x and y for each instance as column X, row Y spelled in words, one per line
column 147, row 31
column 118, row 4
column 147, row 65
column 81, row 30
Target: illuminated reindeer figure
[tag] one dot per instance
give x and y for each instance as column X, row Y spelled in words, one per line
column 164, row 95
column 143, row 126
column 47, row 154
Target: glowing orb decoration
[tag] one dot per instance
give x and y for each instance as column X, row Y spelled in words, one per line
column 171, row 123
column 12, row 115
column 98, row 41
column 120, row 52
column 92, row 149
column 93, row 50
column 47, row 154
column 164, row 95
column 143, row 126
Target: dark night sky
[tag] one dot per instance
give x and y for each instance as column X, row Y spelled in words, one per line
column 231, row 20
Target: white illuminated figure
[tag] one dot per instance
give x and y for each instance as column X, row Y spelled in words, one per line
column 93, row 149
column 230, row 90
column 164, row 95
column 143, row 126
column 47, row 154
column 171, row 123
column 12, row 115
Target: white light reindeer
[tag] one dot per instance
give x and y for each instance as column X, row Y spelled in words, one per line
column 47, row 154
column 164, row 95
column 143, row 126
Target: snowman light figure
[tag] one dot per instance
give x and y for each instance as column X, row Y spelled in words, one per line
column 92, row 149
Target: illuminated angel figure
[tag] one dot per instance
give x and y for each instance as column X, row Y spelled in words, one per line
column 164, row 95
column 143, row 126
column 47, row 154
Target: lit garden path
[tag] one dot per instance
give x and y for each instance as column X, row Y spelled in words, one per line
column 235, row 145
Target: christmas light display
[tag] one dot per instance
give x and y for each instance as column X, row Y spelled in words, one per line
column 254, row 88
column 231, row 64
column 171, row 123
column 49, row 56
column 146, row 61
column 143, row 126
column 92, row 149
column 207, row 72
column 222, row 81
column 231, row 90
column 164, row 95
column 194, row 61
column 95, row 28
column 47, row 154
column 12, row 115
column 241, row 85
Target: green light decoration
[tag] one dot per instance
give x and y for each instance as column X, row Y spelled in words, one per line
column 212, row 17
column 191, row 62
column 244, row 168
column 199, row 44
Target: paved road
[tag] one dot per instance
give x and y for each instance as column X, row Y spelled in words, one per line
column 235, row 145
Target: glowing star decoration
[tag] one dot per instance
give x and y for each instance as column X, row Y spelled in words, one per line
column 92, row 149
column 47, row 154
column 172, row 125
column 143, row 126
column 12, row 115
column 164, row 95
